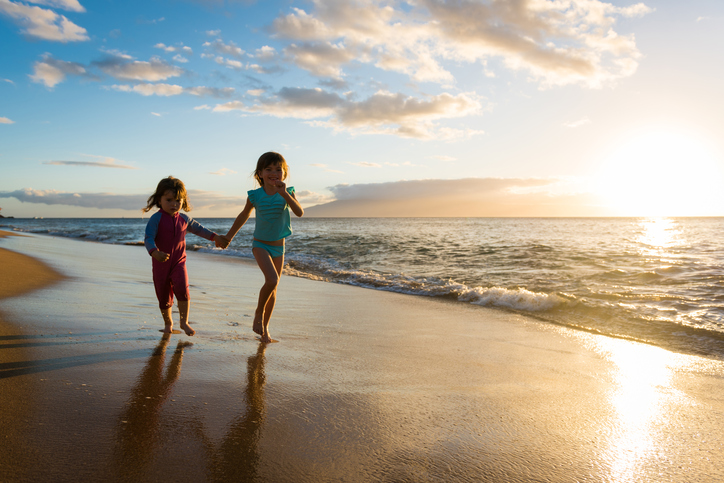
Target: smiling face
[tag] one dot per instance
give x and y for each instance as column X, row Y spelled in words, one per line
column 271, row 174
column 170, row 202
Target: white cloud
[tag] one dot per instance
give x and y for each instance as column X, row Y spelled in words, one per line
column 230, row 106
column 105, row 162
column 156, row 114
column 89, row 200
column 366, row 164
column 152, row 71
column 180, row 58
column 44, row 23
column 235, row 64
column 300, row 25
column 164, row 90
column 71, row 5
column 223, row 172
column 265, row 54
column 230, row 49
column 202, row 107
column 8, row 81
column 134, row 202
column 324, row 167
column 117, row 53
column 52, row 71
column 213, row 33
column 311, row 198
column 171, row 49
column 5, row 120
column 381, row 113
column 581, row 122
column 556, row 42
column 445, row 158
column 202, row 91
column 165, row 47
column 321, row 59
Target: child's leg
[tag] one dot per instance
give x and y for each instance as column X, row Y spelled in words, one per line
column 272, row 269
column 167, row 320
column 183, row 309
column 164, row 294
column 180, row 283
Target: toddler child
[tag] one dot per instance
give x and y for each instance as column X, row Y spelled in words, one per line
column 166, row 242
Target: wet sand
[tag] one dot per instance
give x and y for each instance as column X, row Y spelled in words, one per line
column 363, row 386
column 19, row 274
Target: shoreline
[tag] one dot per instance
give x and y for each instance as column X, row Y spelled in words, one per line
column 635, row 301
column 364, row 386
column 23, row 273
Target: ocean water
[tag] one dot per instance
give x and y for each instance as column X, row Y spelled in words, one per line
column 655, row 280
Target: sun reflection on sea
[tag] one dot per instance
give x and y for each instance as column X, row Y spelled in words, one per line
column 658, row 242
column 659, row 233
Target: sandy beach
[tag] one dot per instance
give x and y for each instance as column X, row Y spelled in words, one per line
column 363, row 386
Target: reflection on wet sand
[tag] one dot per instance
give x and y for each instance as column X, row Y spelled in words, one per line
column 236, row 458
column 644, row 405
column 138, row 426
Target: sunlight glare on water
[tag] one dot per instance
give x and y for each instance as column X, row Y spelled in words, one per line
column 658, row 233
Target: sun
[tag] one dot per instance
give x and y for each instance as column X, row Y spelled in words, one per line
column 661, row 172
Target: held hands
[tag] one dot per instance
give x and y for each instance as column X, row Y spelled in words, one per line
column 160, row 256
column 221, row 241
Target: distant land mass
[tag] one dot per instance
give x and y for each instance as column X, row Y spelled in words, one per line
column 469, row 197
column 572, row 206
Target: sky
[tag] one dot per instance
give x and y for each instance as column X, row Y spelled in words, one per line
column 381, row 108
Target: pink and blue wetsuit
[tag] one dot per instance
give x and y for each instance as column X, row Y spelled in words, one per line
column 168, row 234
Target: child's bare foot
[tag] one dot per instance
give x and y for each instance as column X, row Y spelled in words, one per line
column 167, row 320
column 266, row 338
column 187, row 328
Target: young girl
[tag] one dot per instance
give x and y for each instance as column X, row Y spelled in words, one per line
column 273, row 224
column 166, row 242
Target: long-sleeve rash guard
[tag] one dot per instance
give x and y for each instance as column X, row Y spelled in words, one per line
column 167, row 233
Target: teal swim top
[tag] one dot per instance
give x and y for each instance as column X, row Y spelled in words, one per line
column 272, row 215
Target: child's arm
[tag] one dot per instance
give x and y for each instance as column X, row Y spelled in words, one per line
column 290, row 198
column 240, row 220
column 149, row 240
column 199, row 230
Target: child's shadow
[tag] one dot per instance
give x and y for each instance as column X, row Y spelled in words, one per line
column 237, row 456
column 138, row 425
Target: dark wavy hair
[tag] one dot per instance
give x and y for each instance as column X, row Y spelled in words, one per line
column 267, row 159
column 169, row 184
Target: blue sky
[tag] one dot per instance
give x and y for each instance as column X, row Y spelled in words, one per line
column 426, row 107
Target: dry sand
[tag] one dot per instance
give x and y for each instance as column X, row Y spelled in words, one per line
column 363, row 386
